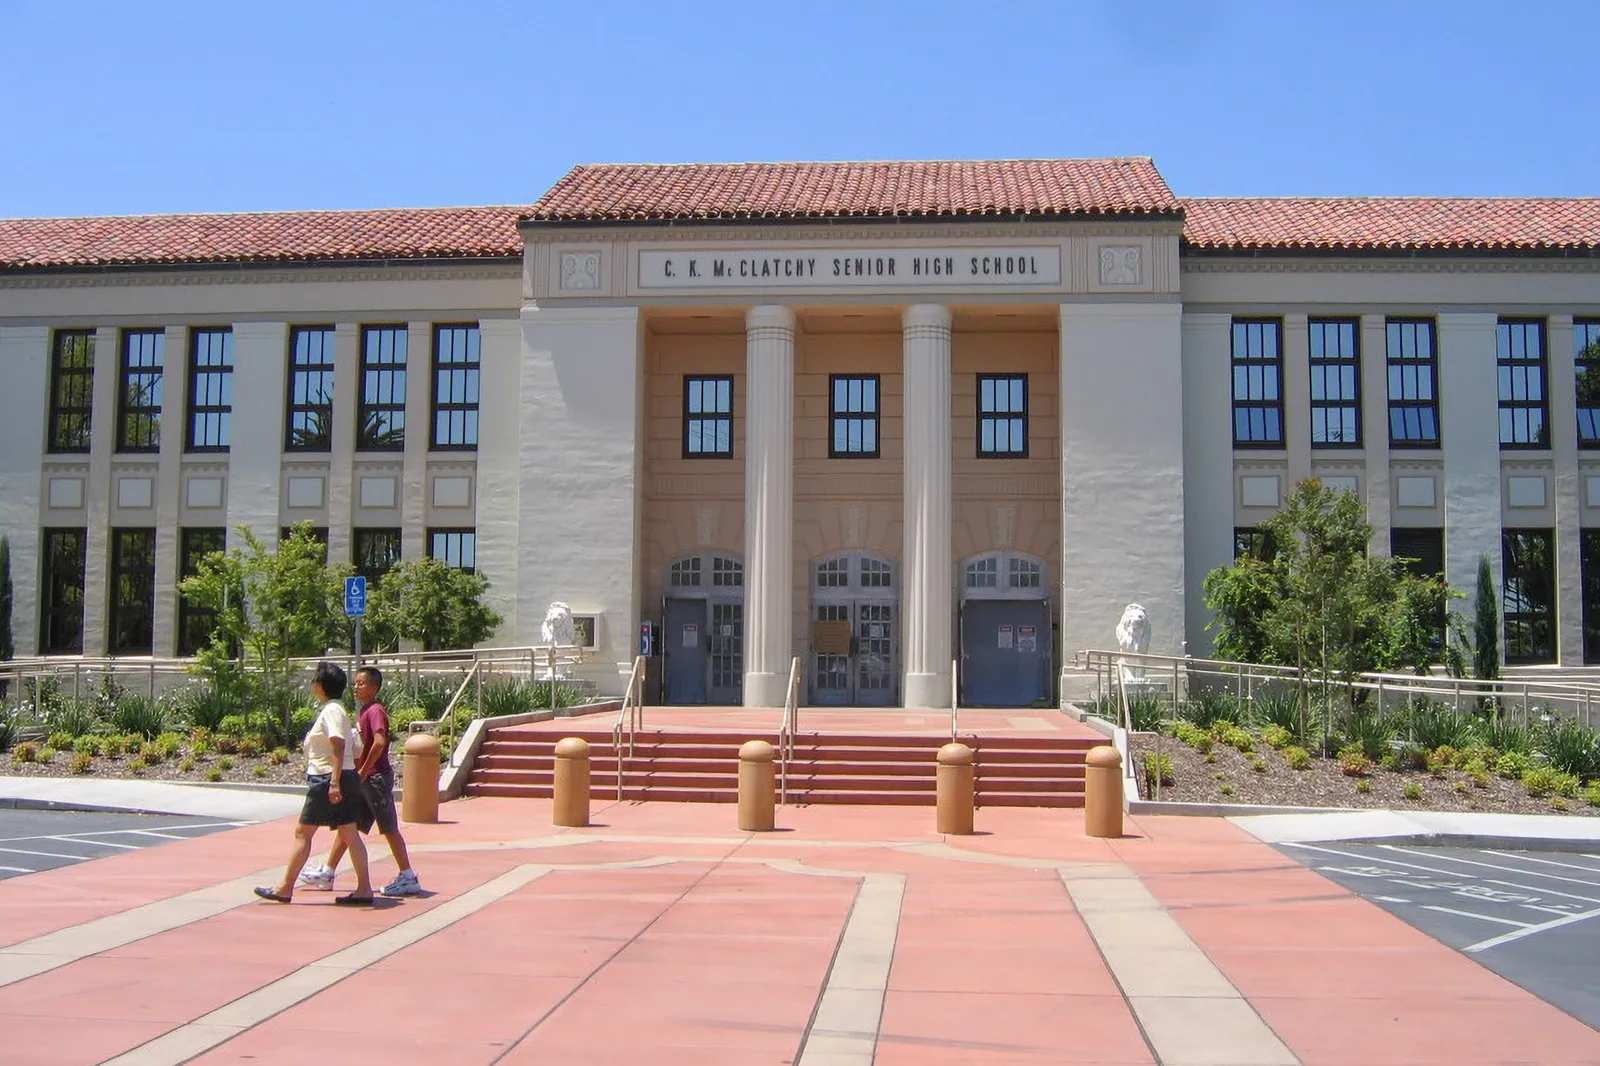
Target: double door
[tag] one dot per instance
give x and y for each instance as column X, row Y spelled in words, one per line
column 1005, row 653
column 702, row 651
column 854, row 661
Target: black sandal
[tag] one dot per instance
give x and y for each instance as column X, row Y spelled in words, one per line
column 352, row 900
column 272, row 894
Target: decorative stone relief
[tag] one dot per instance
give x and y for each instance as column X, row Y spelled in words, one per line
column 1414, row 491
column 1120, row 264
column 377, row 491
column 854, row 527
column 1004, row 518
column 452, row 491
column 66, row 492
column 135, row 492
column 580, row 271
column 205, row 492
column 705, row 526
column 1525, row 491
column 1259, row 491
column 1592, row 489
column 305, row 492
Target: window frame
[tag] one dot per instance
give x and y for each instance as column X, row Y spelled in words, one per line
column 1015, row 419
column 139, row 573
column 388, row 369
column 362, row 539
column 129, row 442
column 54, row 609
column 874, row 417
column 1254, row 541
column 1505, row 362
column 1351, row 361
column 1393, row 332
column 434, row 532
column 190, row 616
column 1237, row 363
column 1533, row 618
column 694, row 420
column 1589, row 568
column 1586, row 357
column 77, row 379
column 210, row 414
column 298, row 372
column 471, row 371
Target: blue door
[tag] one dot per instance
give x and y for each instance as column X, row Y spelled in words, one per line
column 684, row 647
column 1005, row 653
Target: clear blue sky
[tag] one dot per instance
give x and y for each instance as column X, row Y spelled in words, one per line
column 120, row 108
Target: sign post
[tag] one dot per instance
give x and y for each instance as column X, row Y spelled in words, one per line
column 355, row 606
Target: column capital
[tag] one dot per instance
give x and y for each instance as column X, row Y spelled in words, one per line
column 769, row 316
column 936, row 315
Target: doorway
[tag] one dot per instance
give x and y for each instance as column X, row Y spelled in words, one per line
column 1006, row 637
column 702, row 631
column 855, row 635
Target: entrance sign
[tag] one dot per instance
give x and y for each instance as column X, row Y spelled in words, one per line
column 851, row 268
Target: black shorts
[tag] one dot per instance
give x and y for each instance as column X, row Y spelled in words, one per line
column 378, row 793
column 320, row 810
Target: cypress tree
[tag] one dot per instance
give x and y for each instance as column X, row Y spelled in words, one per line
column 1486, row 626
column 7, row 648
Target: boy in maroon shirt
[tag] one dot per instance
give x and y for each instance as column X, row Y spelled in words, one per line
column 377, row 781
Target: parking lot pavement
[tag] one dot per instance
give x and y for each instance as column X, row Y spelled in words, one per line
column 1529, row 916
column 31, row 841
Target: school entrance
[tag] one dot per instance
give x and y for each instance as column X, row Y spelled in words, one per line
column 855, row 634
column 702, row 630
column 1006, row 639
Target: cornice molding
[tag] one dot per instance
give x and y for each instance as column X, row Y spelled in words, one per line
column 1389, row 266
column 849, row 235
column 276, row 276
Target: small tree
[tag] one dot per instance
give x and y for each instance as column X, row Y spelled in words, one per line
column 430, row 601
column 7, row 648
column 1485, row 625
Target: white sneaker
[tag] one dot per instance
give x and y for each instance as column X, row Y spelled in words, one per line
column 319, row 878
column 404, row 884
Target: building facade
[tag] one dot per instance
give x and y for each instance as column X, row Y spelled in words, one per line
column 927, row 426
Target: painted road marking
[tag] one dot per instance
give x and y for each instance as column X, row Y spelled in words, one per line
column 16, row 869
column 1444, row 885
column 93, row 843
column 119, row 832
column 1492, row 866
column 1475, row 914
column 1546, row 862
column 46, row 854
column 1494, row 942
column 153, row 833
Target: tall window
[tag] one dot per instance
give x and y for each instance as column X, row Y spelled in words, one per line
column 1529, row 595
column 1257, row 383
column 1590, row 551
column 139, row 394
column 196, row 623
column 455, row 387
column 1524, row 408
column 456, row 547
column 310, row 426
column 1423, row 548
column 133, row 589
column 1335, row 384
column 381, row 416
column 1413, row 384
column 375, row 551
column 71, row 390
column 61, row 615
column 1003, row 416
column 210, row 390
column 853, row 411
column 1586, row 359
column 707, row 417
column 1254, row 542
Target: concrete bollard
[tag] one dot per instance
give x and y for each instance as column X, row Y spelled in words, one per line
column 571, row 805
column 953, row 789
column 757, row 787
column 419, row 787
column 1102, row 792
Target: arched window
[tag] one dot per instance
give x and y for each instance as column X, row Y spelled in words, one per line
column 1001, row 575
column 855, row 571
column 709, row 573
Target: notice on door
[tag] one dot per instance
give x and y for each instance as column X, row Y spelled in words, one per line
column 1028, row 638
column 1005, row 636
column 691, row 636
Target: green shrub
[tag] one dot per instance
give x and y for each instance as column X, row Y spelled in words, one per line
column 111, row 746
column 259, row 771
column 279, row 756
column 90, row 745
column 1539, row 781
column 80, row 763
column 24, row 752
column 1372, row 732
column 1211, row 758
column 400, row 720
column 201, row 747
column 1571, row 747
column 1226, row 788
column 1440, row 760
column 187, row 764
column 1390, row 762
column 138, row 764
column 8, row 729
column 1239, row 739
column 234, row 725
column 1297, row 757
column 213, row 774
column 251, row 747
column 1412, row 791
column 300, row 722
column 1258, row 764
column 1157, row 770
column 1363, row 786
column 73, row 717
column 1559, row 803
column 204, row 708
column 503, row 696
column 1433, row 725
column 1479, row 778
column 1192, row 735
column 226, row 743
column 1413, row 757
column 1281, row 709
column 1591, row 794
column 225, row 763
column 1504, row 735
column 168, row 744
column 45, row 755
column 138, row 715
column 1209, row 707
column 1146, row 709
column 1276, row 736
column 61, row 740
column 433, row 694
column 1513, row 765
column 151, row 753
column 1353, row 761
column 1563, row 784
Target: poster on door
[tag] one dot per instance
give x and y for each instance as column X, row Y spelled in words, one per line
column 1006, row 638
column 1028, row 638
column 691, row 636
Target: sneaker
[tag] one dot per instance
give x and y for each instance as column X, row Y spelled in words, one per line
column 404, row 884
column 319, row 878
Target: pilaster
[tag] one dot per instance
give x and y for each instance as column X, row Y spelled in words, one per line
column 1375, row 429
column 169, row 479
column 1296, row 341
column 260, row 355
column 498, row 490
column 341, row 486
column 419, row 434
column 925, row 570
column 98, row 490
column 1469, row 412
column 24, row 405
column 1207, row 465
column 769, row 504
column 1568, row 490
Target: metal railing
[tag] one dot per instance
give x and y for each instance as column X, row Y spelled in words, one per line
column 446, row 723
column 955, row 697
column 630, row 716
column 787, row 727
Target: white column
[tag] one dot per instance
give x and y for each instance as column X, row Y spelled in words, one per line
column 1296, row 350
column 1469, row 414
column 578, row 511
column 925, row 574
column 1207, row 465
column 1375, row 429
column 169, row 484
column 339, row 493
column 498, row 492
column 1122, row 466
column 1568, row 488
column 260, row 356
column 24, row 402
column 99, row 489
column 768, row 504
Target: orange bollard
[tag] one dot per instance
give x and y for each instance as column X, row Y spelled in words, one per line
column 1102, row 792
column 571, row 801
column 953, row 790
column 419, row 787
column 757, row 787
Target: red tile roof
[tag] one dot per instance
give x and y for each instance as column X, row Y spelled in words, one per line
column 125, row 240
column 737, row 191
column 1392, row 224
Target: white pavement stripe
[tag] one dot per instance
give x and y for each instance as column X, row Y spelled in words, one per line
column 1547, row 862
column 223, row 1024
column 844, row 1031
column 1475, row 914
column 17, row 869
column 120, row 832
column 45, row 854
column 1491, row 866
column 64, row 946
column 153, row 833
column 1447, row 873
column 93, row 843
column 1507, row 938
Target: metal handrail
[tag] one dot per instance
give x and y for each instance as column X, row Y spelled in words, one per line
column 630, row 716
column 955, row 698
column 787, row 727
column 446, row 722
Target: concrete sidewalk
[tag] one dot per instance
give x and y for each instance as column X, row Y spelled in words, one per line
column 853, row 935
column 252, row 803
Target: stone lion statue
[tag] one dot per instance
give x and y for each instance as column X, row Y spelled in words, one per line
column 1133, row 638
column 557, row 630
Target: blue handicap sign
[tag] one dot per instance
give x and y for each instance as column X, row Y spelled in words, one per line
column 355, row 597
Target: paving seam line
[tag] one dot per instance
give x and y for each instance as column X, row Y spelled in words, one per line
column 844, row 1027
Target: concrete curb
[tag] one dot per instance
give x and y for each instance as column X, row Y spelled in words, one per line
column 1228, row 810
